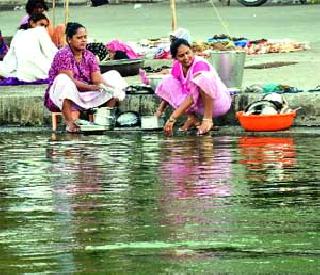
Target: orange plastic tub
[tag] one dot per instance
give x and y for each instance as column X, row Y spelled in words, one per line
column 266, row 123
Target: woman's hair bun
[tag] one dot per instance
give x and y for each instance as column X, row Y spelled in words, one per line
column 71, row 28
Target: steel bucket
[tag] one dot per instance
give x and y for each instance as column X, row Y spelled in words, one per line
column 155, row 80
column 104, row 116
column 152, row 122
column 229, row 66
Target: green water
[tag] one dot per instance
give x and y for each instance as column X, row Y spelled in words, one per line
column 146, row 204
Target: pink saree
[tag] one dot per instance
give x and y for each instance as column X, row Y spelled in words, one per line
column 201, row 75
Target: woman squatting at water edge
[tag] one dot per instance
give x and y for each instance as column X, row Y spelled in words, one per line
column 76, row 82
column 193, row 88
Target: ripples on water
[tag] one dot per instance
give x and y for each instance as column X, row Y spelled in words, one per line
column 135, row 203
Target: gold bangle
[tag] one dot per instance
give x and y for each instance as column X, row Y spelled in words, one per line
column 207, row 119
column 172, row 120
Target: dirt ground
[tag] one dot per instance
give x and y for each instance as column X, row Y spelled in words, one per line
column 132, row 22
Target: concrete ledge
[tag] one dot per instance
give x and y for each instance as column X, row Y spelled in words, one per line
column 23, row 106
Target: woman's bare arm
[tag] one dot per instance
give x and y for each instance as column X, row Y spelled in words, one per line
column 163, row 105
column 182, row 108
column 97, row 79
column 81, row 86
column 168, row 127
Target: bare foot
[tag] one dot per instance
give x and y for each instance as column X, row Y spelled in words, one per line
column 205, row 127
column 72, row 128
column 191, row 121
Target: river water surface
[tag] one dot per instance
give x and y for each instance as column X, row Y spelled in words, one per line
column 145, row 204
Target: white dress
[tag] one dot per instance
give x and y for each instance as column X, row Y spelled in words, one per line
column 64, row 88
column 30, row 55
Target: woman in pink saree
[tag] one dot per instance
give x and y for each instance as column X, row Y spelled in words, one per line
column 193, row 88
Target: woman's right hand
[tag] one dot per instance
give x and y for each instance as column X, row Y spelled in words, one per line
column 95, row 87
column 168, row 127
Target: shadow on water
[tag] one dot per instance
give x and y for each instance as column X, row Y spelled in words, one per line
column 127, row 203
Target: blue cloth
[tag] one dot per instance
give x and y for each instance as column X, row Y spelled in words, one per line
column 271, row 88
column 241, row 43
column 14, row 81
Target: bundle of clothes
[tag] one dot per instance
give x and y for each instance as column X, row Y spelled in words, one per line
column 270, row 104
column 272, row 88
column 112, row 50
column 224, row 42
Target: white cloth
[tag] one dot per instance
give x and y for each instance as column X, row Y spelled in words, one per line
column 181, row 33
column 64, row 88
column 30, row 55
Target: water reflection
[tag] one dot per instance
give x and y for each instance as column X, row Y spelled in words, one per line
column 79, row 163
column 77, row 180
column 270, row 168
column 263, row 153
column 132, row 203
column 267, row 154
column 196, row 178
column 197, row 168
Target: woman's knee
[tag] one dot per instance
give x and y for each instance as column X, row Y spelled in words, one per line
column 112, row 73
column 64, row 80
column 114, row 78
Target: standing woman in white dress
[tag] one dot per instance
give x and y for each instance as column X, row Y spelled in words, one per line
column 31, row 51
